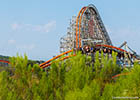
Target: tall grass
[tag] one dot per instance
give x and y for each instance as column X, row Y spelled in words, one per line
column 73, row 79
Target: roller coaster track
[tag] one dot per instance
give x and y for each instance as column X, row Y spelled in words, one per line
column 4, row 61
column 122, row 74
column 43, row 65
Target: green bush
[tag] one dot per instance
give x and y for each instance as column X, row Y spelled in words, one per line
column 77, row 78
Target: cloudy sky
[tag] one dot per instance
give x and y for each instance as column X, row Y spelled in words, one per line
column 34, row 27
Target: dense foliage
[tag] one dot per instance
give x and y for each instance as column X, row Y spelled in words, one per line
column 74, row 79
column 6, row 58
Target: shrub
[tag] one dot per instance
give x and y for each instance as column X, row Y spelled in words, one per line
column 73, row 79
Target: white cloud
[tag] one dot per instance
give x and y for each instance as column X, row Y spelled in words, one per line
column 29, row 27
column 49, row 26
column 11, row 41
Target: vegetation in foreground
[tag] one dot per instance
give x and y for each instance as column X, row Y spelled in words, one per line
column 73, row 79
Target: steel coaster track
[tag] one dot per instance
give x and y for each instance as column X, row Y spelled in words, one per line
column 112, row 47
column 122, row 74
column 4, row 61
column 47, row 63
column 77, row 21
column 120, row 52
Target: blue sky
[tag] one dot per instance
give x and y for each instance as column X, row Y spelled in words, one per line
column 34, row 27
